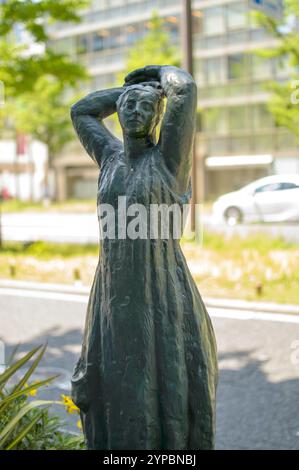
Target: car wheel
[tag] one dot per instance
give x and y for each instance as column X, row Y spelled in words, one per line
column 233, row 216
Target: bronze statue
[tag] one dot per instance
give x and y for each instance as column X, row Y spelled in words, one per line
column 147, row 375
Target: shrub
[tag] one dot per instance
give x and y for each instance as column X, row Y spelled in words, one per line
column 26, row 423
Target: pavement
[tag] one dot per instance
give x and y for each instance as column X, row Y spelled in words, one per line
column 83, row 227
column 258, row 352
column 51, row 227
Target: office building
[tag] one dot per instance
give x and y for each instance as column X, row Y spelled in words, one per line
column 237, row 140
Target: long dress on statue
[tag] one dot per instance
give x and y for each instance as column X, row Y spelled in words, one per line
column 147, row 374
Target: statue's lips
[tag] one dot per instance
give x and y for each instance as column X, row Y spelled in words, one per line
column 135, row 121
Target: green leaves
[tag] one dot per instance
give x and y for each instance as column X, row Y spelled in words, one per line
column 15, row 367
column 29, row 13
column 155, row 47
column 28, row 75
column 19, row 66
column 24, row 431
column 48, row 119
column 14, row 426
column 26, row 424
column 284, row 108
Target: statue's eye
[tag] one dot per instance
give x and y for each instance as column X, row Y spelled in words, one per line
column 130, row 104
column 147, row 106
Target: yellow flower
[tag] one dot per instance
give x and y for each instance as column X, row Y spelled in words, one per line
column 79, row 424
column 69, row 404
column 32, row 392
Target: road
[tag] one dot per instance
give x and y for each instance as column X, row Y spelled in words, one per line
column 258, row 358
column 83, row 228
column 51, row 227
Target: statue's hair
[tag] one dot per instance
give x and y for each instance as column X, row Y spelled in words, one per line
column 150, row 87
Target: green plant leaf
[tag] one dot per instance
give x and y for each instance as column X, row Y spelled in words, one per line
column 12, row 396
column 17, row 365
column 30, row 371
column 24, row 431
column 25, row 409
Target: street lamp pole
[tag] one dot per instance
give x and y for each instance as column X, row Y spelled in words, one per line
column 186, row 30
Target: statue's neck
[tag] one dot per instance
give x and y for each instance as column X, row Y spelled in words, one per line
column 135, row 146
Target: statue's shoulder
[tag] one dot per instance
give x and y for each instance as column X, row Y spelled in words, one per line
column 113, row 154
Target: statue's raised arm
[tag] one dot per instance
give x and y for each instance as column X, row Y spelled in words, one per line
column 179, row 121
column 87, row 117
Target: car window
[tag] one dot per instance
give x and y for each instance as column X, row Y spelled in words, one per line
column 289, row 186
column 269, row 187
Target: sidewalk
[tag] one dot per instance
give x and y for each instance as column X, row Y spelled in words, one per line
column 230, row 304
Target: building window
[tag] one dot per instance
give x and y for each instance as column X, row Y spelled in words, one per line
column 215, row 120
column 97, row 42
column 132, row 33
column 240, row 145
column 238, row 118
column 236, row 16
column 214, row 71
column 99, row 4
column 214, row 21
column 261, row 118
column 116, row 3
column 82, row 44
column 115, row 37
column 212, row 42
column 237, row 66
column 199, row 72
column 261, row 68
column 237, row 37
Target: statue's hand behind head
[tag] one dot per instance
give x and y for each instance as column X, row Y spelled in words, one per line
column 144, row 74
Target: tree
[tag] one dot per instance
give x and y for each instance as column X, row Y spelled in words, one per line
column 154, row 48
column 19, row 68
column 43, row 113
column 37, row 85
column 284, row 102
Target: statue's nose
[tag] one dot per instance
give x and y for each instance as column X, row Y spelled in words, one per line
column 137, row 110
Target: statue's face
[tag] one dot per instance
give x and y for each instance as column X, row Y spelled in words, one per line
column 138, row 113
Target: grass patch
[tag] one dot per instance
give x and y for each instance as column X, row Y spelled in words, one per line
column 63, row 263
column 254, row 268
column 257, row 267
column 71, row 205
column 46, row 250
column 261, row 243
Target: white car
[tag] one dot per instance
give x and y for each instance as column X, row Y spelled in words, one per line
column 269, row 199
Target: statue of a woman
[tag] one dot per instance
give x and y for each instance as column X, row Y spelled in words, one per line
column 147, row 375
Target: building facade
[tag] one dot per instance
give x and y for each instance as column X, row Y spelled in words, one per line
column 237, row 139
column 22, row 168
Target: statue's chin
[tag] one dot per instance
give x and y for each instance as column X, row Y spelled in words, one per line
column 137, row 132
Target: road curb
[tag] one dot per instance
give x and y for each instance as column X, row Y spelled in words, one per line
column 265, row 307
column 230, row 304
column 45, row 287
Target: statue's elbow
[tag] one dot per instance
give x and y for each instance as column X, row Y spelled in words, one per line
column 74, row 111
column 191, row 87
